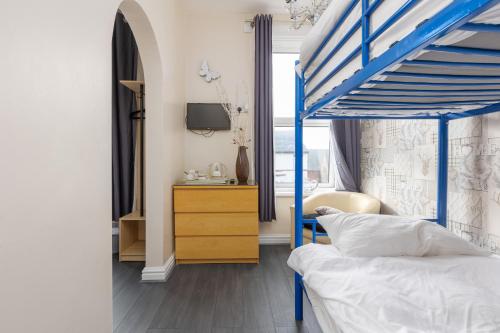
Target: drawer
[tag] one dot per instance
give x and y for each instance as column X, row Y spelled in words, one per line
column 214, row 224
column 217, row 247
column 215, row 200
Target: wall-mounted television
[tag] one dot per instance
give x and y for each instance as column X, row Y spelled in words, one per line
column 207, row 116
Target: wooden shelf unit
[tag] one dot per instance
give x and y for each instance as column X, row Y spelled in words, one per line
column 132, row 240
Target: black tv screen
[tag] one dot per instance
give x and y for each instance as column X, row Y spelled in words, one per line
column 207, row 116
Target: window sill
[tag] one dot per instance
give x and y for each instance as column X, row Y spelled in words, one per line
column 291, row 194
column 284, row 194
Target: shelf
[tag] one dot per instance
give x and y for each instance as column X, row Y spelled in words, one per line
column 134, row 216
column 132, row 236
column 135, row 252
column 135, row 86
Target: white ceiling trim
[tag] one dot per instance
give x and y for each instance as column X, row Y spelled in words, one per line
column 236, row 6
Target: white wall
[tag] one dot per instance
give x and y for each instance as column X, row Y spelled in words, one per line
column 220, row 39
column 55, row 244
column 55, row 179
column 164, row 130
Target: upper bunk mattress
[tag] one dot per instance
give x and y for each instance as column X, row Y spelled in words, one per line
column 403, row 294
column 317, row 69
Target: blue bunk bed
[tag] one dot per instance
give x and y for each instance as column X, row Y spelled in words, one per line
column 423, row 75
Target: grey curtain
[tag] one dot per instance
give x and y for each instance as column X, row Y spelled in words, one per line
column 264, row 152
column 346, row 149
column 124, row 57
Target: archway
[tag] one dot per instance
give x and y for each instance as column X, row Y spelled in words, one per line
column 154, row 161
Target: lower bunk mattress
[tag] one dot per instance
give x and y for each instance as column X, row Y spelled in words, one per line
column 326, row 322
column 400, row 294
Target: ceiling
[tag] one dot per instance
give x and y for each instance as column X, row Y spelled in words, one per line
column 237, row 6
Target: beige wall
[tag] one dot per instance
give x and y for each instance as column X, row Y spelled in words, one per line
column 55, row 179
column 220, row 40
column 281, row 226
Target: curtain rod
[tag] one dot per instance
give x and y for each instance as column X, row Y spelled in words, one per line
column 276, row 18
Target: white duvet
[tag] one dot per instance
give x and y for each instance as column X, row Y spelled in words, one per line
column 403, row 294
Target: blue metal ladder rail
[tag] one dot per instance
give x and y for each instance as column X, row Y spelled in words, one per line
column 456, row 16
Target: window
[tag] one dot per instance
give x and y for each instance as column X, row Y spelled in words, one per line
column 316, row 133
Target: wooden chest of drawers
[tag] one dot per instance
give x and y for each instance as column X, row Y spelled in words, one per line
column 216, row 224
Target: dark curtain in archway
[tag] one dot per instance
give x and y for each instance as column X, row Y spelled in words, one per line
column 125, row 55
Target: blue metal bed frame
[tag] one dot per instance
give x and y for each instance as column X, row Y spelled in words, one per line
column 455, row 16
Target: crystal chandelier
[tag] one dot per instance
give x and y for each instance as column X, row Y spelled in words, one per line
column 301, row 13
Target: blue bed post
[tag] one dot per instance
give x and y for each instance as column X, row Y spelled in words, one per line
column 299, row 105
column 365, row 33
column 442, row 191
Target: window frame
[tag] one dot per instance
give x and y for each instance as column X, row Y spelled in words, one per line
column 290, row 122
column 289, row 42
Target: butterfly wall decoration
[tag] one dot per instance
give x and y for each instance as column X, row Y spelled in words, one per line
column 206, row 73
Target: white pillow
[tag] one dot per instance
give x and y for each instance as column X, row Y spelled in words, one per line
column 371, row 235
column 327, row 210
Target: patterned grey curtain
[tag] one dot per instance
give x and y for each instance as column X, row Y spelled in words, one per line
column 125, row 55
column 346, row 150
column 264, row 152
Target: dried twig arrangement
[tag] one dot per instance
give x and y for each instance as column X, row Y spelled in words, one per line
column 238, row 118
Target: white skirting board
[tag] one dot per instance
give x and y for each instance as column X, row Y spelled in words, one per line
column 274, row 239
column 159, row 273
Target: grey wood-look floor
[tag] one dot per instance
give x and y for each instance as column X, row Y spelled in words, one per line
column 229, row 298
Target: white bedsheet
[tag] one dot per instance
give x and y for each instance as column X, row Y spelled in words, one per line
column 404, row 294
column 324, row 319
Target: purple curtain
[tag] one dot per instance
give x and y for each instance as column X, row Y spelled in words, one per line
column 346, row 149
column 264, row 152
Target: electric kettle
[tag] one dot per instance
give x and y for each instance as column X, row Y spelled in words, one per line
column 217, row 170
